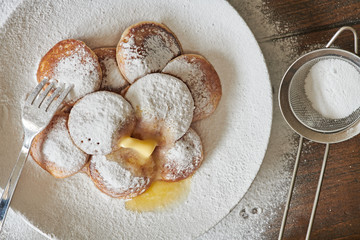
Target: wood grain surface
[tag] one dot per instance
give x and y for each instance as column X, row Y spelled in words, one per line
column 314, row 22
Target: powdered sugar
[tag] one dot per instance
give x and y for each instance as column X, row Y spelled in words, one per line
column 181, row 160
column 191, row 74
column 117, row 177
column 59, row 148
column 333, row 87
column 189, row 70
column 112, row 77
column 98, row 120
column 78, row 69
column 6, row 8
column 155, row 52
column 161, row 99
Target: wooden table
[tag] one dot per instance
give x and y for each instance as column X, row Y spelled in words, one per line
column 313, row 23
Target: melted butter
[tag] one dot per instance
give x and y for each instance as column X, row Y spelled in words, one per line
column 144, row 147
column 160, row 195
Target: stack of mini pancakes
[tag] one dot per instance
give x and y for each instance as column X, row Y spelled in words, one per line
column 146, row 88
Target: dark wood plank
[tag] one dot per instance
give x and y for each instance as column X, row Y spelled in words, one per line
column 306, row 42
column 298, row 17
column 338, row 211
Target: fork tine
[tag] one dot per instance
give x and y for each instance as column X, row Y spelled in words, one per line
column 38, row 101
column 49, row 99
column 55, row 104
column 30, row 99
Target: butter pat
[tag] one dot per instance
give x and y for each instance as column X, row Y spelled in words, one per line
column 144, row 147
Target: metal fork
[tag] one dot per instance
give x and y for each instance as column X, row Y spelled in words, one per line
column 38, row 110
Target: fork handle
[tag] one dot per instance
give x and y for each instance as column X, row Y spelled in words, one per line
column 12, row 182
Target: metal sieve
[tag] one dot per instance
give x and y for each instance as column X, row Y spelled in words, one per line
column 298, row 112
column 301, row 106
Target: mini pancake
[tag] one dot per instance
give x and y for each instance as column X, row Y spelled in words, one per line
column 54, row 150
column 202, row 80
column 72, row 62
column 112, row 80
column 98, row 121
column 122, row 174
column 180, row 160
column 163, row 105
column 145, row 47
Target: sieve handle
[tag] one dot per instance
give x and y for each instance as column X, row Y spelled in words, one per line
column 318, row 189
column 286, row 211
column 332, row 40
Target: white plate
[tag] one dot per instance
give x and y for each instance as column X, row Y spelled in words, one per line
column 235, row 137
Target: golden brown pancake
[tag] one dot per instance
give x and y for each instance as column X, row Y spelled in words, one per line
column 202, row 80
column 72, row 62
column 98, row 121
column 145, row 47
column 180, row 160
column 54, row 150
column 112, row 80
column 122, row 174
column 163, row 105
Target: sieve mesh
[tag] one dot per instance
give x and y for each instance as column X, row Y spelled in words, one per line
column 302, row 107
